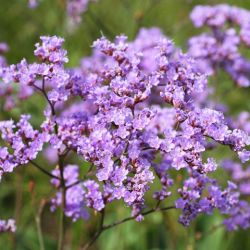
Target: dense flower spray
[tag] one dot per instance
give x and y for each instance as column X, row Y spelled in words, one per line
column 138, row 120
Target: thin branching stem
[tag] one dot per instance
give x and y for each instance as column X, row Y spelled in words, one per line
column 39, row 226
column 98, row 232
column 61, row 170
column 63, row 205
column 83, row 179
column 102, row 228
column 42, row 90
column 44, row 170
column 133, row 217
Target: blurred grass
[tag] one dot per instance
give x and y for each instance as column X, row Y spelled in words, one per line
column 21, row 27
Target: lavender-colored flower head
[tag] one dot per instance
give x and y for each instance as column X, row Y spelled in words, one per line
column 11, row 94
column 221, row 47
column 75, row 205
column 7, row 226
column 51, row 50
column 242, row 121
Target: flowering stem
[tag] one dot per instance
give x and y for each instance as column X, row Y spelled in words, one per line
column 42, row 90
column 44, row 170
column 62, row 215
column 39, row 233
column 61, row 170
column 38, row 224
column 103, row 228
column 98, row 233
column 133, row 217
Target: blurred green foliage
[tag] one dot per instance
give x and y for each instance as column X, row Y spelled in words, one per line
column 24, row 193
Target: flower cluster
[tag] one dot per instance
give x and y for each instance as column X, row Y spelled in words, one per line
column 7, row 226
column 239, row 215
column 220, row 48
column 11, row 94
column 134, row 117
column 51, row 70
column 242, row 121
column 145, row 43
column 22, row 143
column 75, row 206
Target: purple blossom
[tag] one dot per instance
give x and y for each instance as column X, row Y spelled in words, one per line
column 7, row 226
column 93, row 196
column 75, row 205
column 220, row 47
column 51, row 50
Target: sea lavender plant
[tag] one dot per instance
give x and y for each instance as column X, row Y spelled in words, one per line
column 137, row 121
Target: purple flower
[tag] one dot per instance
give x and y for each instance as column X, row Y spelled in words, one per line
column 51, row 50
column 75, row 204
column 7, row 226
column 220, row 47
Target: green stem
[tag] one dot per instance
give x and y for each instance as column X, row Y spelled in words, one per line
column 103, row 227
column 39, row 233
column 44, row 170
column 98, row 233
column 63, row 205
column 61, row 170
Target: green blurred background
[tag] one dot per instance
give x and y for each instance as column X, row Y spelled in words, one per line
column 24, row 194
